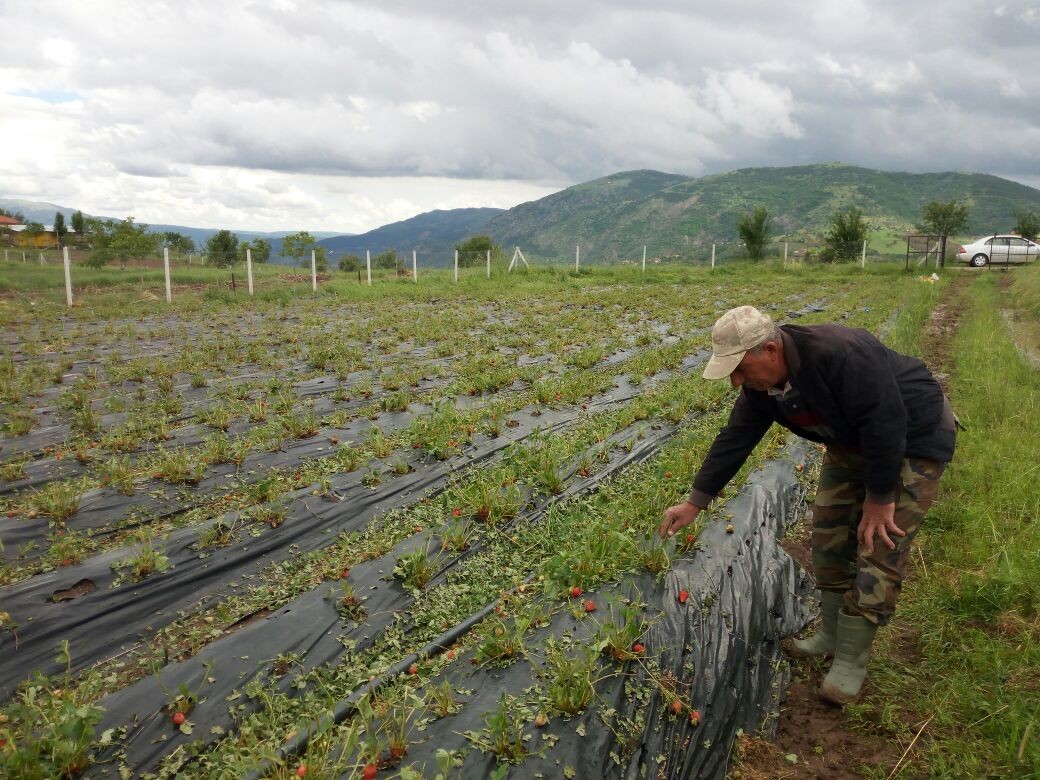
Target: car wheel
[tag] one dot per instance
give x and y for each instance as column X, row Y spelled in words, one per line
column 979, row 260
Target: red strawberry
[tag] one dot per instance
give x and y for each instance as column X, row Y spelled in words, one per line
column 676, row 706
column 590, row 605
column 301, row 770
column 695, row 718
column 344, row 574
column 413, row 670
column 683, row 595
column 370, row 772
column 450, row 655
column 178, row 718
column 691, row 538
column 638, row 648
column 575, row 592
column 456, row 512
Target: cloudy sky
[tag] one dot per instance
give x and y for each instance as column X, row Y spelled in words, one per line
column 334, row 115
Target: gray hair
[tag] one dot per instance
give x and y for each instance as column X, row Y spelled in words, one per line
column 774, row 336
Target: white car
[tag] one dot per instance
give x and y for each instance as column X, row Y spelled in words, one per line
column 998, row 249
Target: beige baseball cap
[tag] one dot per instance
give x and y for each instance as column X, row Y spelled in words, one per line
column 732, row 335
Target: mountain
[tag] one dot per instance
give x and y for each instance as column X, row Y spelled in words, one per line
column 432, row 234
column 612, row 218
column 615, row 216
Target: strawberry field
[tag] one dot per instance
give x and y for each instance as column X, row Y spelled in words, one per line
column 407, row 531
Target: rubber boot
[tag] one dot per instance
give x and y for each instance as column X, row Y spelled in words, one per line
column 843, row 682
column 822, row 642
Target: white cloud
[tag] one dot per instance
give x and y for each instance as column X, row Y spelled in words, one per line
column 334, row 114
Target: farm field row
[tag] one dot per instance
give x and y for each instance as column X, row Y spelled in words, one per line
column 232, row 517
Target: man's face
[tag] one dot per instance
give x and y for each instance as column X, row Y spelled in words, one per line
column 760, row 370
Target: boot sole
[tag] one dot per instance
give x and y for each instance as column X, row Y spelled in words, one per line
column 794, row 652
column 834, row 695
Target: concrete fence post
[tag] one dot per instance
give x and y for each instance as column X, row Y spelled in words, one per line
column 68, row 276
column 577, row 257
column 863, row 257
column 314, row 271
column 489, row 264
column 368, row 265
column 415, row 268
column 713, row 255
column 249, row 269
column 644, row 258
column 166, row 271
column 456, row 266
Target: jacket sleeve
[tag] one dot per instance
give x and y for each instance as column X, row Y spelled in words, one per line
column 874, row 405
column 745, row 429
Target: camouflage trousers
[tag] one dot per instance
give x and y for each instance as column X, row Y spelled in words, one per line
column 870, row 581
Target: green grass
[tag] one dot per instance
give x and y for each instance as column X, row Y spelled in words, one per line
column 975, row 598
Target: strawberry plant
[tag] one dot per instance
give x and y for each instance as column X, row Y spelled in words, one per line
column 441, row 700
column 118, row 472
column 503, row 734
column 415, row 569
column 58, row 500
column 618, row 637
column 49, row 725
column 146, row 559
column 500, row 643
column 570, row 676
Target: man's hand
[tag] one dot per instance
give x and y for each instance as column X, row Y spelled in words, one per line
column 677, row 517
column 878, row 519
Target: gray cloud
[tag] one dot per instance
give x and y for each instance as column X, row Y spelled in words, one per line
column 548, row 94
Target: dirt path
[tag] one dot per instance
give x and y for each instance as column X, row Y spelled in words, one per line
column 815, row 739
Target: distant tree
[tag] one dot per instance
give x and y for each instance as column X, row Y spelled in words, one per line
column 177, row 242
column 944, row 219
column 1027, row 224
column 754, row 228
column 387, row 259
column 259, row 250
column 298, row 245
column 845, row 238
column 350, row 263
column 222, row 249
column 59, row 227
column 77, row 222
column 321, row 258
column 122, row 241
column 473, row 251
column 94, row 231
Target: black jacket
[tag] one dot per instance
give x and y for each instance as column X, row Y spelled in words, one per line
column 885, row 405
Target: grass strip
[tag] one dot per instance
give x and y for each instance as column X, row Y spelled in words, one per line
column 970, row 616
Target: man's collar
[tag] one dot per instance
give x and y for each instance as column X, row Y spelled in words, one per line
column 791, row 357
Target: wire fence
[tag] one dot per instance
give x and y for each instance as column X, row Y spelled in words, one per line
column 171, row 273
